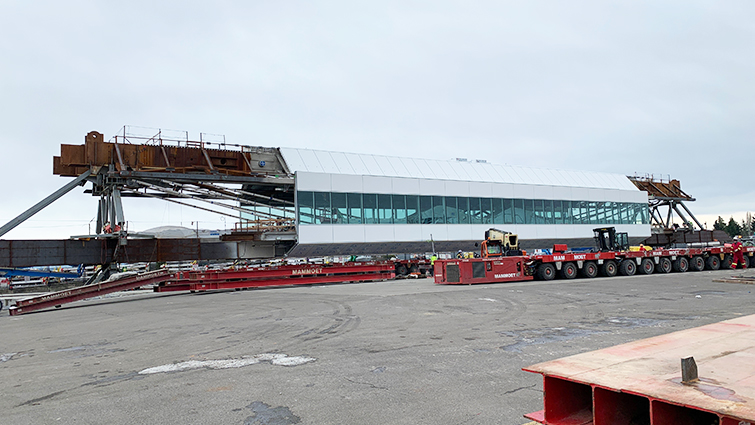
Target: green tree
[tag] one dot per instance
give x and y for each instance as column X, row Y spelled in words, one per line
column 720, row 224
column 733, row 228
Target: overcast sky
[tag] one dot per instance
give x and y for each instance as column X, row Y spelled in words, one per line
column 656, row 87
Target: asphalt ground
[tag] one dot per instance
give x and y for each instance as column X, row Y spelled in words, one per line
column 394, row 352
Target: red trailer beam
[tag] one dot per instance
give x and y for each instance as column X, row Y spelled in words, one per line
column 88, row 291
column 280, row 276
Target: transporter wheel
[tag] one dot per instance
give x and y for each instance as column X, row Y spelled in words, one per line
column 747, row 261
column 401, row 270
column 697, row 263
column 609, row 268
column 546, row 272
column 628, row 268
column 569, row 271
column 664, row 265
column 681, row 264
column 647, row 266
column 589, row 269
column 713, row 262
column 413, row 268
column 726, row 262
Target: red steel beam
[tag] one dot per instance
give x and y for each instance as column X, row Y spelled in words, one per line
column 185, row 285
column 88, row 291
column 640, row 382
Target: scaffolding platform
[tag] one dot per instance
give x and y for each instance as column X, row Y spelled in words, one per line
column 641, row 382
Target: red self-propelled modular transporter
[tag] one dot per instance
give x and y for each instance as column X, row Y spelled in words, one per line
column 479, row 270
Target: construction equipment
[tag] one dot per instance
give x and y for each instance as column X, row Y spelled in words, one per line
column 499, row 243
column 607, row 239
column 610, row 257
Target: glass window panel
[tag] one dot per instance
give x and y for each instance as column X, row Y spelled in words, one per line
column 558, row 212
column 548, row 210
column 498, row 211
column 486, row 210
column 338, row 207
column 519, row 211
column 452, row 212
column 566, row 208
column 626, row 213
column 592, row 213
column 463, row 205
column 439, row 216
column 412, row 209
column 354, row 201
column 369, row 201
column 578, row 212
column 508, row 211
column 399, row 209
column 306, row 207
column 475, row 214
column 645, row 210
column 323, row 214
column 538, row 213
column 426, row 209
column 529, row 211
column 385, row 210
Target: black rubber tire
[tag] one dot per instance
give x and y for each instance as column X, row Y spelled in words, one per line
column 713, row 263
column 569, row 270
column 401, row 270
column 697, row 264
column 681, row 264
column 589, row 269
column 647, row 266
column 726, row 262
column 747, row 262
column 664, row 265
column 546, row 271
column 414, row 268
column 609, row 268
column 628, row 267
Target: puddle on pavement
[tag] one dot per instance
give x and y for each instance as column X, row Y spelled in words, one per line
column 262, row 414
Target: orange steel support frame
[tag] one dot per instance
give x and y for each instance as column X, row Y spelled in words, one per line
column 640, row 382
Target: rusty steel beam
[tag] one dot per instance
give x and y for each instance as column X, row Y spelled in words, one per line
column 180, row 157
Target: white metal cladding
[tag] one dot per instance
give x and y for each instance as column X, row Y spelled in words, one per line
column 367, row 233
column 322, row 182
column 317, row 161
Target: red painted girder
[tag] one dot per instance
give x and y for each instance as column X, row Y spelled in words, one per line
column 286, row 271
column 724, row 353
column 88, row 291
column 304, row 280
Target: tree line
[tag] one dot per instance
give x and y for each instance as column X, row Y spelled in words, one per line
column 733, row 228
